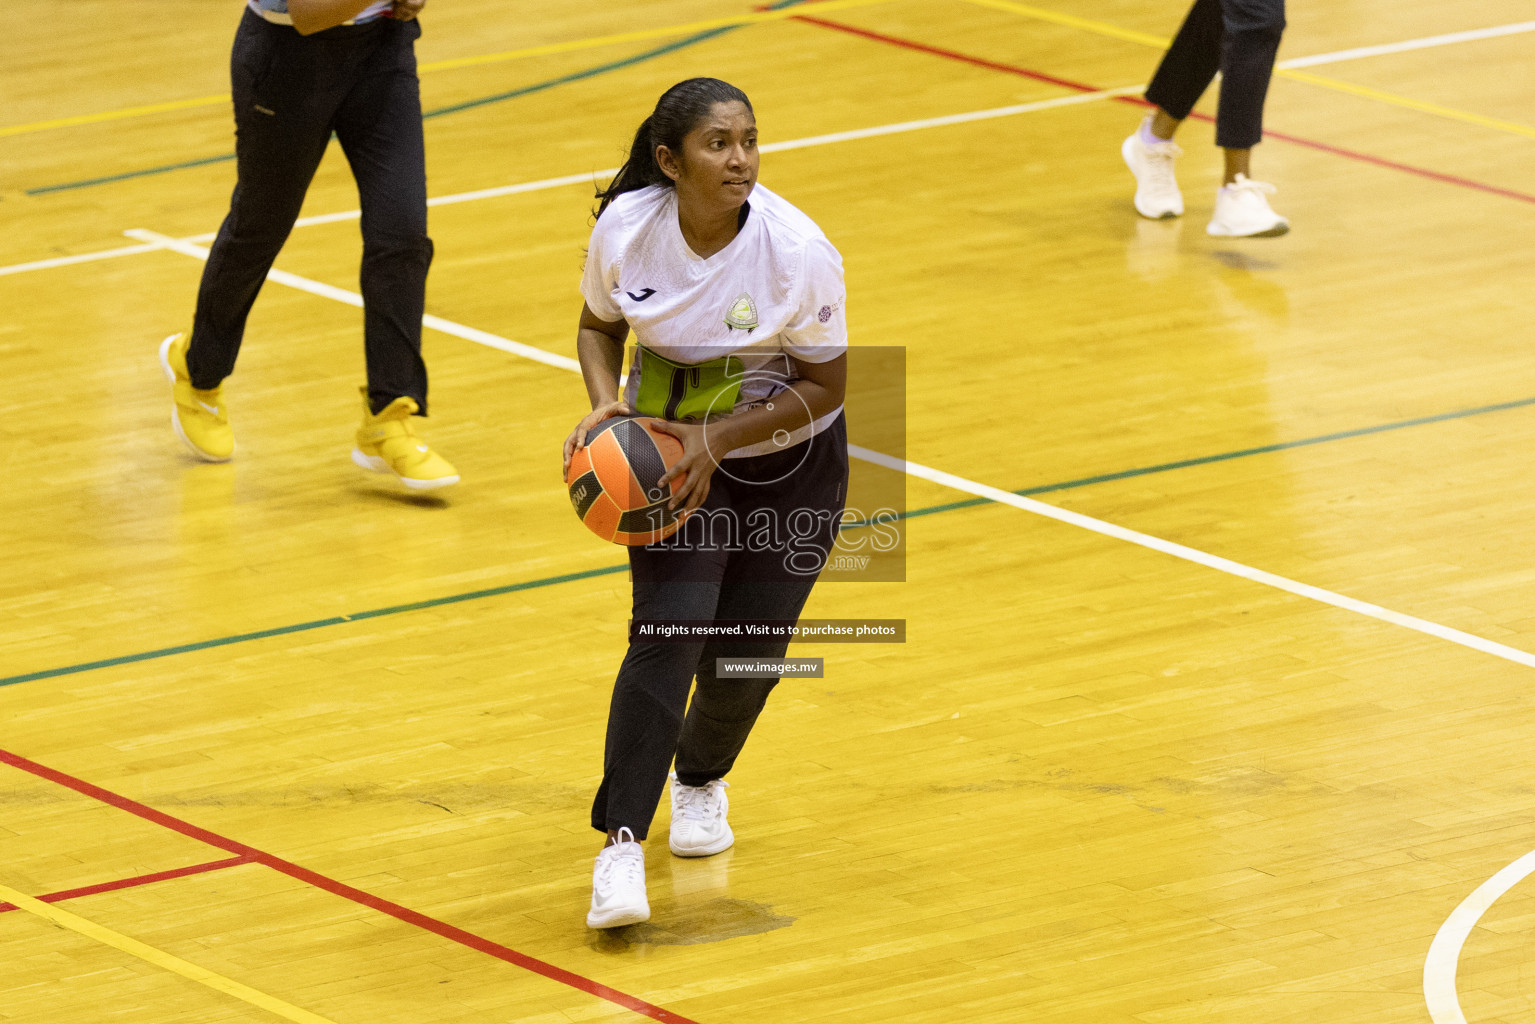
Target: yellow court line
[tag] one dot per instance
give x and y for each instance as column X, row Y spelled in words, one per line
column 1411, row 104
column 114, row 115
column 176, row 965
column 1144, row 39
column 569, row 46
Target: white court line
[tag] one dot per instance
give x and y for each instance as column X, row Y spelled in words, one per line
column 86, row 257
column 1427, row 42
column 327, row 291
column 592, row 177
column 1444, row 953
column 1198, row 557
column 1335, row 57
column 957, row 483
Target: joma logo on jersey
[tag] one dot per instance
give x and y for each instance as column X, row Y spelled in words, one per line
column 742, row 315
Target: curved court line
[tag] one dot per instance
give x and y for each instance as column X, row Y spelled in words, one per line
column 1282, row 68
column 711, row 25
column 1444, row 952
column 338, row 888
column 160, row 958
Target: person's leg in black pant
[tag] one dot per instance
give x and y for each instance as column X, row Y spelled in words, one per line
column 649, row 699
column 282, row 126
column 1253, row 29
column 677, row 579
column 770, row 584
column 1189, row 66
column 1240, row 38
column 723, row 711
column 379, row 127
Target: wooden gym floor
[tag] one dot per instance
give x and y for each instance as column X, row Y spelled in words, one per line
column 1230, row 738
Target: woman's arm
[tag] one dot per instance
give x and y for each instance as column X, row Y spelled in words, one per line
column 818, row 390
column 600, row 347
column 820, row 387
column 311, row 16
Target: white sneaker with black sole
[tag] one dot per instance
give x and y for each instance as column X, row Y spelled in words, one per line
column 699, row 826
column 618, row 885
column 1156, row 187
column 1242, row 211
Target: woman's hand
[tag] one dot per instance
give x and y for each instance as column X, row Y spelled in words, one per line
column 696, row 462
column 577, row 438
column 406, row 10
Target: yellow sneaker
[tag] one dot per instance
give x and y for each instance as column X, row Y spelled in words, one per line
column 198, row 417
column 387, row 443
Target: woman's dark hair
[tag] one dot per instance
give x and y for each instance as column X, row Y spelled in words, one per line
column 677, row 112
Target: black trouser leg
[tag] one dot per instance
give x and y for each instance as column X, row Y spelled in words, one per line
column 645, row 717
column 1252, row 32
column 1240, row 38
column 281, row 131
column 1191, row 61
column 723, row 711
column 379, row 126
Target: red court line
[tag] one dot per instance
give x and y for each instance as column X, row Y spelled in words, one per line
column 937, row 51
column 136, row 880
column 338, row 888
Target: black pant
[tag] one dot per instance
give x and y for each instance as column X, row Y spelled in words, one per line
column 290, row 93
column 704, row 574
column 1239, row 38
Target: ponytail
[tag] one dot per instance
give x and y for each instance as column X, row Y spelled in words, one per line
column 637, row 172
column 677, row 112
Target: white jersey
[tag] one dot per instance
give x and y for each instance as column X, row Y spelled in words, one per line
column 775, row 291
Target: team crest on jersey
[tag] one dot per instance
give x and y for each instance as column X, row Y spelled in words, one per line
column 742, row 315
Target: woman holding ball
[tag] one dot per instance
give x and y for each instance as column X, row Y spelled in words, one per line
column 736, row 300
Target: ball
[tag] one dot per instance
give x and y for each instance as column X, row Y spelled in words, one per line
column 613, row 481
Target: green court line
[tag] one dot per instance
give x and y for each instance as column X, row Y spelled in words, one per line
column 1205, row 460
column 549, row 581
column 300, row 627
column 592, row 72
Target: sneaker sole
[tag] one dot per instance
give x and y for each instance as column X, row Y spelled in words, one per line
column 720, row 845
column 618, row 917
column 170, row 375
column 1273, row 232
column 375, row 464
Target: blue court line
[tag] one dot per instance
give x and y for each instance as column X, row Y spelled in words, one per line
column 592, row 72
column 607, row 570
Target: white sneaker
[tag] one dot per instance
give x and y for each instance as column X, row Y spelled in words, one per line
column 1242, row 211
column 699, row 828
column 1156, row 189
column 618, row 885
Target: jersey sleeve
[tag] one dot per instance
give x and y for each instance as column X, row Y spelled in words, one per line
column 599, row 281
column 817, row 333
